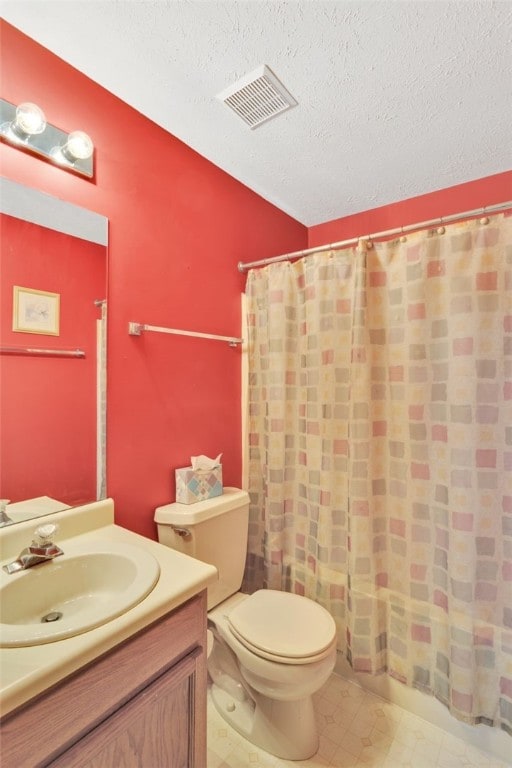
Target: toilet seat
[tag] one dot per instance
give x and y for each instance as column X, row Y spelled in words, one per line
column 283, row 627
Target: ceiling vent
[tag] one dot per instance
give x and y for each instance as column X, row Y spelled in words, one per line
column 257, row 97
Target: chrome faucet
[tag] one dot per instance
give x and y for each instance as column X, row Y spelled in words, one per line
column 42, row 550
column 4, row 517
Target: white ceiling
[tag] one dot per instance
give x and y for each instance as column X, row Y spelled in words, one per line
column 395, row 98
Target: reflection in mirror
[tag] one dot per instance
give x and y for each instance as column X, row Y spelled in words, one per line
column 53, row 353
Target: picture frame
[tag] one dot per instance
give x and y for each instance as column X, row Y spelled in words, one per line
column 35, row 311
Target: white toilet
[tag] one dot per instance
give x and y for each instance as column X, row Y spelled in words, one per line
column 271, row 650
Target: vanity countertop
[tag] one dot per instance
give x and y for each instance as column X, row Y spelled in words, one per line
column 29, row 670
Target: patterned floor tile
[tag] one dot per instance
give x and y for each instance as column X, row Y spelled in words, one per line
column 357, row 730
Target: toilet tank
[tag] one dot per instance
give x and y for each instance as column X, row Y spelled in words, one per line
column 214, row 531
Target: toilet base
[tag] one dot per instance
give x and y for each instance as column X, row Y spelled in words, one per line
column 286, row 729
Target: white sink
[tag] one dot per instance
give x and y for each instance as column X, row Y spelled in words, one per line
column 74, row 593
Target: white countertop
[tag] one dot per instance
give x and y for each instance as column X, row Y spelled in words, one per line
column 28, row 670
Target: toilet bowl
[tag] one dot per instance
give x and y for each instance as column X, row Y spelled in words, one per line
column 271, row 652
column 267, row 652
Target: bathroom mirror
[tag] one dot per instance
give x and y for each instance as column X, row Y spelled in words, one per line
column 53, row 262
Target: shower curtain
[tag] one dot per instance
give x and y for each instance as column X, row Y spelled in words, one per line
column 380, row 454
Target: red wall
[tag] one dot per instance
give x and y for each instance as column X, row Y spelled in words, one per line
column 41, row 455
column 462, row 197
column 178, row 227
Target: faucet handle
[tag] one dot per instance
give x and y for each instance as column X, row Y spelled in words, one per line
column 42, row 543
column 44, row 534
column 4, row 517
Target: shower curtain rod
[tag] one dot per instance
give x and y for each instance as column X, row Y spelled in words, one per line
column 243, row 267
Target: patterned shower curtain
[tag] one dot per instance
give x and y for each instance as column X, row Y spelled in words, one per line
column 380, row 454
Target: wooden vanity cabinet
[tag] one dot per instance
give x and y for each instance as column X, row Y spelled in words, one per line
column 141, row 705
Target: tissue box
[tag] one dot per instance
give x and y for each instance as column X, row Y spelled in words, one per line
column 198, row 484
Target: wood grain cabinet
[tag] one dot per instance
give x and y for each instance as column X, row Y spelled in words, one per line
column 141, row 705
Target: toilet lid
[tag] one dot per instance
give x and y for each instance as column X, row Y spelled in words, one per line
column 274, row 623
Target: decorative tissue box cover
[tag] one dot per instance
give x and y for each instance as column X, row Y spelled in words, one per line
column 198, row 484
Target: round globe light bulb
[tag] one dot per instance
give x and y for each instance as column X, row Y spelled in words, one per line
column 79, row 145
column 30, row 118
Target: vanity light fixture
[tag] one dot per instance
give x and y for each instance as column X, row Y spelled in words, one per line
column 25, row 127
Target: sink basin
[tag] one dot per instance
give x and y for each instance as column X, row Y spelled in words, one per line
column 74, row 593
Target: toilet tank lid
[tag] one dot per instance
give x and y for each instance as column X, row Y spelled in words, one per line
column 181, row 514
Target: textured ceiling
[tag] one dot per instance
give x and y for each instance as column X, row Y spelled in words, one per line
column 395, row 99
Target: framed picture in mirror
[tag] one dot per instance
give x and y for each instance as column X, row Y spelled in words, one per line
column 35, row 311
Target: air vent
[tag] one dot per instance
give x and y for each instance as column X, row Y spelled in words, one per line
column 257, row 97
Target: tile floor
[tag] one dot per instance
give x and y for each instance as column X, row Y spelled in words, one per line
column 357, row 730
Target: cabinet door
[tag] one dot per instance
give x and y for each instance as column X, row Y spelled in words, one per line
column 153, row 730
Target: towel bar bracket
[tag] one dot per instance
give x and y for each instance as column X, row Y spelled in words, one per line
column 135, row 329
